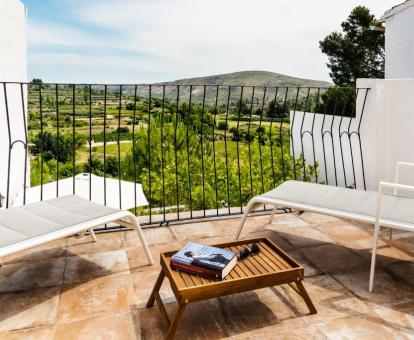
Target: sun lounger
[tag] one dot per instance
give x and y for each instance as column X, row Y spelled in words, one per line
column 379, row 208
column 38, row 223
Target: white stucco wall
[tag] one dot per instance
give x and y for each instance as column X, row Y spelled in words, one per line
column 338, row 156
column 387, row 131
column 399, row 44
column 13, row 67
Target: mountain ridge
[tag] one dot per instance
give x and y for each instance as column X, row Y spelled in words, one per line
column 249, row 78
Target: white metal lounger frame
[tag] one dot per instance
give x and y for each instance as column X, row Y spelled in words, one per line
column 124, row 218
column 260, row 200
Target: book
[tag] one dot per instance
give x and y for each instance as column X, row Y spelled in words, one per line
column 204, row 260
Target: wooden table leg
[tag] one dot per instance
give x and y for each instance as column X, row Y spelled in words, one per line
column 156, row 289
column 176, row 321
column 304, row 294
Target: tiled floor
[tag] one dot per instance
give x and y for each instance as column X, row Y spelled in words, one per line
column 77, row 289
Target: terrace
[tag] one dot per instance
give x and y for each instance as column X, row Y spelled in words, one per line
column 75, row 288
column 200, row 152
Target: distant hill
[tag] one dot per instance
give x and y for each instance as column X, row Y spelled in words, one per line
column 245, row 78
column 250, row 78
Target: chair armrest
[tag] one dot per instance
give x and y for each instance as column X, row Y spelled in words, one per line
column 400, row 164
column 384, row 185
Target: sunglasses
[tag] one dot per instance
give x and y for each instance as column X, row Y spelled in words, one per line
column 245, row 251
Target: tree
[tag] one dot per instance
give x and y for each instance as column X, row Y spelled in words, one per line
column 37, row 81
column 52, row 147
column 357, row 51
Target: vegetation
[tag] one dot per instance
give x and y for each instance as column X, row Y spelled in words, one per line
column 357, row 51
column 191, row 155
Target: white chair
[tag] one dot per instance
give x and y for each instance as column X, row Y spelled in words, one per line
column 378, row 208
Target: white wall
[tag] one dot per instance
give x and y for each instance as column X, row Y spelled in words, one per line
column 387, row 135
column 13, row 67
column 399, row 44
column 387, row 131
column 337, row 153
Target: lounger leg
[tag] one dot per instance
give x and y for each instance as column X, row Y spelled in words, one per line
column 137, row 227
column 93, row 236
column 373, row 258
column 250, row 206
column 272, row 215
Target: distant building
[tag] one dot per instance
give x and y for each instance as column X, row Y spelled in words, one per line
column 13, row 67
column 399, row 40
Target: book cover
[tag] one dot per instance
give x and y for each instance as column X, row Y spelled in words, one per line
column 212, row 258
column 188, row 268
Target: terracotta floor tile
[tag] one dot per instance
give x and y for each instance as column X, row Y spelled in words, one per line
column 87, row 266
column 123, row 326
column 50, row 250
column 387, row 290
column 254, row 224
column 404, row 270
column 106, row 242
column 29, row 308
column 186, row 232
column 29, row 275
column 406, row 243
column 358, row 328
column 281, row 333
column 399, row 316
column 301, row 237
column 214, row 240
column 40, row 333
column 310, row 269
column 334, row 258
column 343, row 231
column 226, row 317
column 316, row 218
column 288, row 220
column 386, row 255
column 143, row 283
column 229, row 226
column 363, row 244
column 271, row 235
column 110, row 279
column 331, row 300
column 100, row 296
column 138, row 261
column 152, row 236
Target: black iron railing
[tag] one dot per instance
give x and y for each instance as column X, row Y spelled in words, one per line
column 198, row 150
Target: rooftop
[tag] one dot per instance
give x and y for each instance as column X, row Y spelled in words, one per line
column 74, row 288
column 396, row 9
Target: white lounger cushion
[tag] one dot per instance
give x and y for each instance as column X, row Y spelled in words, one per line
column 36, row 219
column 38, row 223
column 343, row 200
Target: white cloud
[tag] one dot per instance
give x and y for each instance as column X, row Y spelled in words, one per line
column 193, row 37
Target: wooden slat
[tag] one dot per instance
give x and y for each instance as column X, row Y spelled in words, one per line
column 237, row 270
column 262, row 262
column 272, row 260
column 262, row 256
column 279, row 257
column 247, row 264
column 178, row 279
column 274, row 256
column 187, row 279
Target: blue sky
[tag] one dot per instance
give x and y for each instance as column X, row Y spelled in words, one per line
column 140, row 41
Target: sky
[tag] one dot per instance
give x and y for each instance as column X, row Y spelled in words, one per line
column 144, row 41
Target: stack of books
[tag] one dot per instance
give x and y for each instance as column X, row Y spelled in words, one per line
column 207, row 261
